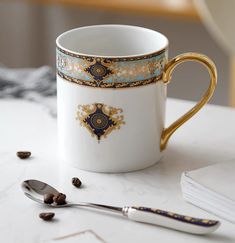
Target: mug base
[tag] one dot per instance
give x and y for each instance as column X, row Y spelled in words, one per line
column 112, row 170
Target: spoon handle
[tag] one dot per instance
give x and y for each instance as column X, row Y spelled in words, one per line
column 171, row 220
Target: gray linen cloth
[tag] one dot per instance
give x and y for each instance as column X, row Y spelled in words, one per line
column 34, row 84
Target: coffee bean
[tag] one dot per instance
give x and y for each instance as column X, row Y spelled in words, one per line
column 47, row 216
column 76, row 182
column 59, row 199
column 48, row 198
column 23, row 154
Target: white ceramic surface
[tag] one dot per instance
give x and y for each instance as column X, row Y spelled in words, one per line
column 112, row 41
column 26, row 125
column 134, row 146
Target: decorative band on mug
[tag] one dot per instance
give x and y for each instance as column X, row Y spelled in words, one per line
column 110, row 73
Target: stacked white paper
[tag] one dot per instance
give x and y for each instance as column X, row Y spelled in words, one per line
column 212, row 188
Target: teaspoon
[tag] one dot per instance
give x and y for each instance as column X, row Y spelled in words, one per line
column 35, row 190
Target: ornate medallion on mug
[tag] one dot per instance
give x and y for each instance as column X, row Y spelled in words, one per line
column 100, row 119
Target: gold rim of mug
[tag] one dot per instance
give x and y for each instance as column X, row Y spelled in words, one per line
column 115, row 59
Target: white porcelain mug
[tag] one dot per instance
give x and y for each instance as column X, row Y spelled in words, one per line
column 111, row 93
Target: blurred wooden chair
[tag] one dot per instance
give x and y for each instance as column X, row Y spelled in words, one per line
column 168, row 8
column 175, row 9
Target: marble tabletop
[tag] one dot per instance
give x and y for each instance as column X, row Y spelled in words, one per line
column 206, row 139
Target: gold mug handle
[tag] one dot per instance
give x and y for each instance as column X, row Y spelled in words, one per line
column 166, row 76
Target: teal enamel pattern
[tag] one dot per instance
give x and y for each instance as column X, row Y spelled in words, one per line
column 110, row 72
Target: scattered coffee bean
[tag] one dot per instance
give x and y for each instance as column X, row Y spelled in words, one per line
column 59, row 199
column 47, row 216
column 48, row 198
column 76, row 182
column 23, row 154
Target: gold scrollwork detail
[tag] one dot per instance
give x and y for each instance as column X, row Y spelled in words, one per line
column 100, row 119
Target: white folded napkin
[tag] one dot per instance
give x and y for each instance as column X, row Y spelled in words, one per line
column 212, row 188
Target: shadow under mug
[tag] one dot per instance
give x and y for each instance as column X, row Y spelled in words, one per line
column 111, row 96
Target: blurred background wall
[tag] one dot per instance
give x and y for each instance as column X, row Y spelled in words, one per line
column 28, row 31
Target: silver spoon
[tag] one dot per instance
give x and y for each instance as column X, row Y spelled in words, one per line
column 35, row 190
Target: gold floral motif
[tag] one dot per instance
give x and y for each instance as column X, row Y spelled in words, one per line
column 62, row 61
column 100, row 119
column 152, row 67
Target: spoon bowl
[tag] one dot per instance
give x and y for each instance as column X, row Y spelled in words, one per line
column 39, row 188
column 36, row 190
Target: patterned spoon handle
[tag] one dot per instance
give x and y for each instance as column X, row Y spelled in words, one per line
column 171, row 220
